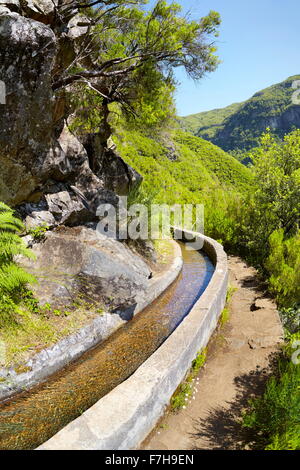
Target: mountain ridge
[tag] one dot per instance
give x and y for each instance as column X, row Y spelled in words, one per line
column 237, row 127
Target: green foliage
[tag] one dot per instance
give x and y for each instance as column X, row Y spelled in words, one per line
column 273, row 205
column 30, row 301
column 38, row 233
column 275, row 417
column 162, row 34
column 224, row 316
column 277, row 172
column 198, row 363
column 226, row 313
column 179, row 399
column 207, row 123
column 132, row 56
column 290, row 318
column 283, row 263
column 199, row 167
column 239, row 126
column 230, row 291
column 185, row 389
column 153, row 101
column 226, row 169
column 12, row 276
column 254, row 212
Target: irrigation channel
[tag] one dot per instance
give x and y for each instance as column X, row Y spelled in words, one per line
column 30, row 418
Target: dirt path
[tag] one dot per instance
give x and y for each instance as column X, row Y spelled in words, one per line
column 239, row 358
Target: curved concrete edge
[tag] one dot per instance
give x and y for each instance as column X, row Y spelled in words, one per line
column 123, row 418
column 52, row 359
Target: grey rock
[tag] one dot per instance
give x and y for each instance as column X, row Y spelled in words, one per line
column 37, row 151
column 263, row 342
column 39, row 218
column 263, row 304
column 4, row 10
column 40, row 10
column 59, row 203
column 27, row 52
column 116, row 175
column 75, row 30
column 77, row 263
column 67, row 210
column 12, row 5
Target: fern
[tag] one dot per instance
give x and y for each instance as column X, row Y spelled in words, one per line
column 12, row 276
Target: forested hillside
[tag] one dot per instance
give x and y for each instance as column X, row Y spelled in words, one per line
column 239, row 126
column 178, row 167
column 208, row 123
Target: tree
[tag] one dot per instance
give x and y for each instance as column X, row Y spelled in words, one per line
column 124, row 46
column 275, row 204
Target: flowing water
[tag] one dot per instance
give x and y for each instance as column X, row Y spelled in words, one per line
column 32, row 417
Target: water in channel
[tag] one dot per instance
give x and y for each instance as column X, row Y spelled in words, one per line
column 29, row 419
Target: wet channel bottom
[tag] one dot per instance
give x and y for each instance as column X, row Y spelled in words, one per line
column 31, row 418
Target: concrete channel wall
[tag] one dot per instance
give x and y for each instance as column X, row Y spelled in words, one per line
column 50, row 360
column 123, row 418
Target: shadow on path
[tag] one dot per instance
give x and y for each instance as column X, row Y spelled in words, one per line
column 222, row 428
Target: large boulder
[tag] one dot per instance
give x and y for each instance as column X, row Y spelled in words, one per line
column 41, row 160
column 27, row 52
column 79, row 264
column 115, row 174
column 40, row 10
column 9, row 5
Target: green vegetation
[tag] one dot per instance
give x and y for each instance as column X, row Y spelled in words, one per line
column 198, row 166
column 198, row 363
column 270, row 225
column 284, row 265
column 238, row 127
column 208, row 123
column 275, row 417
column 273, row 239
column 254, row 212
column 181, row 396
column 121, row 84
column 13, row 278
column 290, row 318
column 132, row 56
column 224, row 318
column 185, row 389
column 38, row 233
column 27, row 327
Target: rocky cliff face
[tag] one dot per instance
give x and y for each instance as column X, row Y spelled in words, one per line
column 243, row 129
column 49, row 175
column 44, row 168
column 27, row 51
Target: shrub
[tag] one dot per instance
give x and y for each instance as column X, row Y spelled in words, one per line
column 275, row 417
column 283, row 264
column 12, row 276
column 290, row 318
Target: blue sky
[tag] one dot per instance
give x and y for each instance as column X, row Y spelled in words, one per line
column 258, row 44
